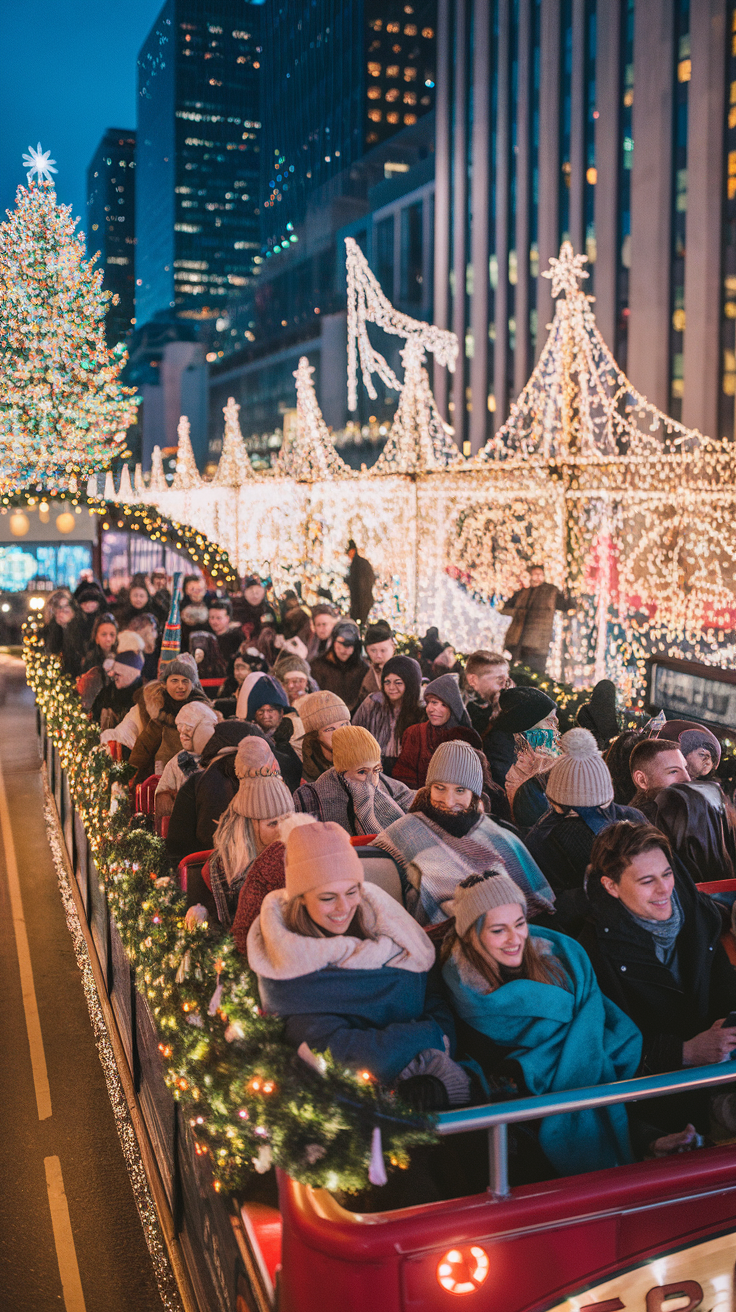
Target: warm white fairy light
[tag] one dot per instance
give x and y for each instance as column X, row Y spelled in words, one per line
column 234, row 466
column 418, row 441
column 187, row 475
column 367, row 303
column 308, row 452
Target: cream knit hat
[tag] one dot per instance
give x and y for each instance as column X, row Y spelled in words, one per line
column 480, row 893
column 318, row 709
column 580, row 776
column 353, row 747
column 262, row 794
column 319, row 854
column 456, row 763
column 200, row 718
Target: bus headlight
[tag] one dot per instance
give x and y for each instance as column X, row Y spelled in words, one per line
column 463, row 1270
column 36, row 603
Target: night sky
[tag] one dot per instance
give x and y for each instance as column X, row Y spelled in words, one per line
column 67, row 72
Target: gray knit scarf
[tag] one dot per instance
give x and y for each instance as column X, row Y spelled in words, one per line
column 664, row 934
column 374, row 809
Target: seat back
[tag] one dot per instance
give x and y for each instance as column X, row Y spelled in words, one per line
column 162, row 825
column 144, row 795
column 381, row 869
column 115, row 749
column 361, row 840
column 192, row 880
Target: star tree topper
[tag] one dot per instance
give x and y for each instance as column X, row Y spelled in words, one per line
column 566, row 271
column 39, row 162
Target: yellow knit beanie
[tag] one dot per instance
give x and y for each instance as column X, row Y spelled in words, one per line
column 353, row 747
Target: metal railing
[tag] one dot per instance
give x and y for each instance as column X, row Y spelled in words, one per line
column 496, row 1117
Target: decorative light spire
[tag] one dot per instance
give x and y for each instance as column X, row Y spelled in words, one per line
column 308, row 452
column 234, row 466
column 187, row 476
column 418, row 441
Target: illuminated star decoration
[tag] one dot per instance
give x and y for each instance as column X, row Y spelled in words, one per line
column 39, row 161
column 566, row 271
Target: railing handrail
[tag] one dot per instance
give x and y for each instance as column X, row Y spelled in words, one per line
column 573, row 1100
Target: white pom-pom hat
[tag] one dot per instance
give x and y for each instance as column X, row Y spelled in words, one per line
column 580, row 776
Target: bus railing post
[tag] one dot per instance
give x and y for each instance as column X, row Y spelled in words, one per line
column 498, row 1161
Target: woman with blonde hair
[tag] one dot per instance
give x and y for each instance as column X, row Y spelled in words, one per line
column 249, row 824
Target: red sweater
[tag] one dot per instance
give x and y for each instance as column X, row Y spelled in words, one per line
column 266, row 873
column 418, row 744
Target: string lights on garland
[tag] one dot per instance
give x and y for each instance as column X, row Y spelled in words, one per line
column 250, row 1100
column 63, row 411
column 147, row 521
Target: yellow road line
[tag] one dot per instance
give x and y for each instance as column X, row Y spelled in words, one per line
column 28, row 988
column 66, row 1253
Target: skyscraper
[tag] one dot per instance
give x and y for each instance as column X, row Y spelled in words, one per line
column 339, row 79
column 197, row 212
column 111, row 225
column 599, row 121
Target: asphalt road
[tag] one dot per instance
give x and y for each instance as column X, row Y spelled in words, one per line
column 66, row 1203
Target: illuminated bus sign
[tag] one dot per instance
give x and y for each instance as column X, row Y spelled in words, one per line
column 696, row 1279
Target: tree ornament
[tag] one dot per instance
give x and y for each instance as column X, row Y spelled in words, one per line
column 63, row 412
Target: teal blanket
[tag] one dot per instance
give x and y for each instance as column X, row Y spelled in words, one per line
column 561, row 1040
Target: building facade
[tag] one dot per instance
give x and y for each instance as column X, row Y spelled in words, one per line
column 111, row 226
column 610, row 124
column 197, row 203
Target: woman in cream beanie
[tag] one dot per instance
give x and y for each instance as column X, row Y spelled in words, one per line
column 353, row 792
column 250, row 823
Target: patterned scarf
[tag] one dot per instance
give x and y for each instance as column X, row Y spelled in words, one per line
column 374, row 808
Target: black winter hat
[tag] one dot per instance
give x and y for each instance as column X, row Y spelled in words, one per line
column 522, row 708
column 378, row 632
column 599, row 714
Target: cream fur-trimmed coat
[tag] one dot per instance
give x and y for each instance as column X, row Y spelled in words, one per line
column 274, row 952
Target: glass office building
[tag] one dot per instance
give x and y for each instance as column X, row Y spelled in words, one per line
column 197, row 210
column 602, row 123
column 338, row 79
column 111, row 225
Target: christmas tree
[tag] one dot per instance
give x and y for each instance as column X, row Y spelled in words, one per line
column 63, row 412
column 234, row 464
column 418, row 441
column 187, row 475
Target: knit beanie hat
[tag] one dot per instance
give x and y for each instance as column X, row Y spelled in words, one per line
column 266, row 691
column 456, row 763
column 185, row 665
column 347, row 632
column 580, row 776
column 262, row 794
column 318, row 709
column 91, row 593
column 352, row 747
column 407, row 669
column 378, row 632
column 129, row 650
column 447, row 690
column 319, row 854
column 690, row 736
column 522, row 708
column 200, row 719
column 290, row 664
column 599, row 714
column 480, row 893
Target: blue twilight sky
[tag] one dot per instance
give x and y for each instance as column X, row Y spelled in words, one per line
column 67, row 72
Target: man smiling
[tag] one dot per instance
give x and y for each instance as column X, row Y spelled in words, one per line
column 654, row 942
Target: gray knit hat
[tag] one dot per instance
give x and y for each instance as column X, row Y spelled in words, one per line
column 580, row 776
column 318, row 709
column 447, row 689
column 480, row 893
column 456, row 763
column 183, row 664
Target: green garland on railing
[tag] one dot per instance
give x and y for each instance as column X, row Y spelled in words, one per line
column 251, row 1101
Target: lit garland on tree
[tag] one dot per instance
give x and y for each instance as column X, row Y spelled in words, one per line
column 63, row 412
column 251, row 1101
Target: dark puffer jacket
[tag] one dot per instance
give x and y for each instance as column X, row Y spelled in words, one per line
column 628, row 971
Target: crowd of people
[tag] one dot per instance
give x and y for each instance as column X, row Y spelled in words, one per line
column 544, row 929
